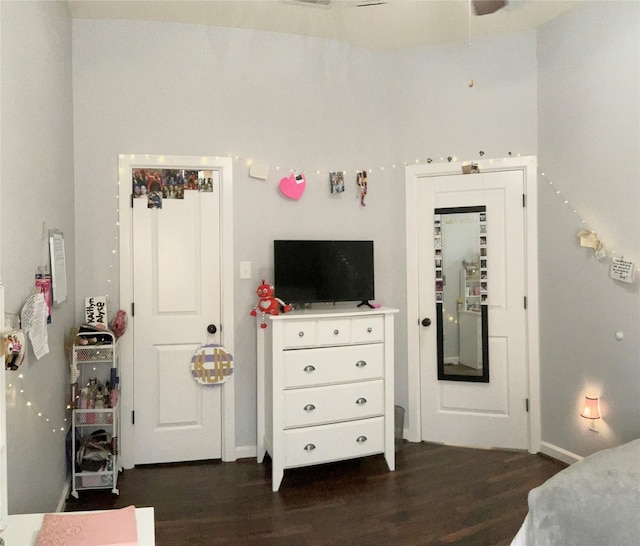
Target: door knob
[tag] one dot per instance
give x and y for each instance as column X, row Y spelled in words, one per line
column 212, row 329
column 426, row 322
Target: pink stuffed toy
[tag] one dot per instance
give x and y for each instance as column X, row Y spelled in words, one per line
column 268, row 304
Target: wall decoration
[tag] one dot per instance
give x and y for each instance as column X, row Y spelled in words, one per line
column 58, row 266
column 259, row 171
column 205, row 183
column 95, row 311
column 293, row 186
column 33, row 317
column 590, row 239
column 336, row 180
column 168, row 183
column 622, row 270
column 361, row 179
column 191, row 180
column 43, row 285
column 154, row 200
column 211, row 365
column 13, row 349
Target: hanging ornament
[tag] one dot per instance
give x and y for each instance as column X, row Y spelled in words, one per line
column 362, row 184
column 589, row 239
column 211, row 365
column 293, row 186
column 13, row 349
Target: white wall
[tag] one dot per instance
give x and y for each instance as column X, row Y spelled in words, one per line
column 37, row 188
column 589, row 118
column 292, row 102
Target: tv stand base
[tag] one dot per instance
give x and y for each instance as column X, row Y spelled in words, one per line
column 365, row 302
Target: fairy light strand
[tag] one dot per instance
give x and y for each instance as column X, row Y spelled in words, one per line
column 553, row 187
column 28, row 403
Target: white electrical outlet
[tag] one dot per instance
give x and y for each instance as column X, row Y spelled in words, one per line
column 245, row 270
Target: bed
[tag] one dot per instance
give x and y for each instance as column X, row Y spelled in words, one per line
column 594, row 502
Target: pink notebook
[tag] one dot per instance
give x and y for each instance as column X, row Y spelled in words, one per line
column 108, row 528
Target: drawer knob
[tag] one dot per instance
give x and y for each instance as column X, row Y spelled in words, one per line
column 300, row 333
column 361, row 439
column 369, row 330
column 309, row 407
column 361, row 364
column 336, row 331
column 361, row 401
column 309, row 368
column 309, row 447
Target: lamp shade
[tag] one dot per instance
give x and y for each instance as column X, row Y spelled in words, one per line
column 591, row 409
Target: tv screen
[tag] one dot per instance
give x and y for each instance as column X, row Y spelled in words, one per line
column 323, row 271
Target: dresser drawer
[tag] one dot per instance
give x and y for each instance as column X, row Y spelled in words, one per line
column 334, row 332
column 367, row 329
column 309, row 367
column 313, row 445
column 320, row 405
column 300, row 333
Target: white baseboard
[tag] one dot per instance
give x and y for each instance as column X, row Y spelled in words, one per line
column 559, row 453
column 246, row 452
column 62, row 503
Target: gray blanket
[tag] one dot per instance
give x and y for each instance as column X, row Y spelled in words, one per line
column 594, row 502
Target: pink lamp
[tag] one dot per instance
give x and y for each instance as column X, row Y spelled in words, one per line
column 591, row 411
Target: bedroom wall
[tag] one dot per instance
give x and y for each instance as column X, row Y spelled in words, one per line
column 36, row 184
column 589, row 137
column 292, row 102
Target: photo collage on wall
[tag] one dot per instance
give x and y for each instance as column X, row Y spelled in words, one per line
column 155, row 185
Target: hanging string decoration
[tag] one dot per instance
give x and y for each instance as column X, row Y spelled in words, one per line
column 14, row 390
column 620, row 269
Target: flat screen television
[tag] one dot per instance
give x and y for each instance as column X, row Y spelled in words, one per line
column 323, row 271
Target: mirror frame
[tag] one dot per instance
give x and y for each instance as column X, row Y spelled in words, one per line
column 483, row 377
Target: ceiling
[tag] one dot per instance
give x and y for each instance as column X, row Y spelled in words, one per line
column 371, row 24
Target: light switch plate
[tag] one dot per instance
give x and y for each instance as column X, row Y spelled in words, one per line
column 245, row 270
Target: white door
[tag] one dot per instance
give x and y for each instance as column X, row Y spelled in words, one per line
column 176, row 287
column 479, row 414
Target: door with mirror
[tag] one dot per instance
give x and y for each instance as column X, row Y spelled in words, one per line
column 473, row 364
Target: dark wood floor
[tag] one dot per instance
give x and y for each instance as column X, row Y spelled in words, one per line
column 437, row 495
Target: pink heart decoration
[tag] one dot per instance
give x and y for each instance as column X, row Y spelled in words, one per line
column 293, row 186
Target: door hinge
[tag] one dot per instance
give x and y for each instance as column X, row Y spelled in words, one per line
column 526, row 404
column 524, row 200
column 525, row 302
column 133, row 309
column 133, row 417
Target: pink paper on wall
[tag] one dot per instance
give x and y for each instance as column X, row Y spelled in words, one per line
column 293, row 186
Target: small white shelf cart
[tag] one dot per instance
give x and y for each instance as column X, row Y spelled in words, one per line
column 95, row 361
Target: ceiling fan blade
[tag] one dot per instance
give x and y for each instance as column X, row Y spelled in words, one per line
column 486, row 7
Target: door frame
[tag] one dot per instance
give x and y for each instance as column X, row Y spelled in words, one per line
column 528, row 165
column 225, row 164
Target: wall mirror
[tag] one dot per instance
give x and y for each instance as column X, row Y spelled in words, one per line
column 460, row 237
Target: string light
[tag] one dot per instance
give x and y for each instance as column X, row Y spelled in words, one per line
column 449, row 159
column 321, row 172
column 37, row 412
column 558, row 193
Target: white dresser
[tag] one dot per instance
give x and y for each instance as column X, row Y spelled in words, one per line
column 325, row 387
